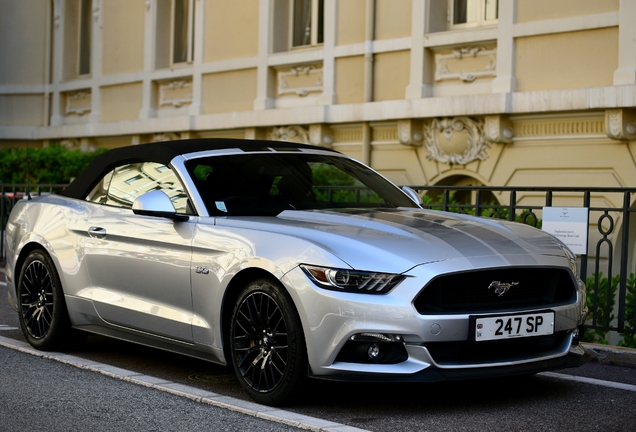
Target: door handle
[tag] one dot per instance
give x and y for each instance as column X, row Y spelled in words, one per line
column 97, row 232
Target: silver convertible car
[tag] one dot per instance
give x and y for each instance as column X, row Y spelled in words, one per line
column 288, row 261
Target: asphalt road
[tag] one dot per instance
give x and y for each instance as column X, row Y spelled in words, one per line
column 43, row 389
column 38, row 394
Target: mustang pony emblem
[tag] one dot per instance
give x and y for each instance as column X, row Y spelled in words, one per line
column 502, row 288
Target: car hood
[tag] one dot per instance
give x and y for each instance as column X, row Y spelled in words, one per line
column 397, row 240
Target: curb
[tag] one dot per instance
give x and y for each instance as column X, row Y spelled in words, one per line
column 253, row 409
column 613, row 355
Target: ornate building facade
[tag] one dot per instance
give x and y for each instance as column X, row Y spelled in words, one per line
column 460, row 92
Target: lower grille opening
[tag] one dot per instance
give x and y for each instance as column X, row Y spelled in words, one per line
column 496, row 351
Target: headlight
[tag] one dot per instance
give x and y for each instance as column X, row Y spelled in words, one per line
column 352, row 280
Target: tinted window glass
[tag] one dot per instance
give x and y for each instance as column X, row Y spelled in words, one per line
column 271, row 183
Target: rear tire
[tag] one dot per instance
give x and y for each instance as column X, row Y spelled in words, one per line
column 41, row 307
column 267, row 343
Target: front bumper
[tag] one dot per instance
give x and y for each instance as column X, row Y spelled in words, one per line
column 438, row 346
column 574, row 358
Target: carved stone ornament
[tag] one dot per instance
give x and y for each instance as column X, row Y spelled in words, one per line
column 458, row 140
column 166, row 136
column 321, row 135
column 176, row 93
column 451, row 66
column 620, row 124
column 70, row 143
column 498, row 129
column 78, row 102
column 410, row 132
column 300, row 80
column 289, row 133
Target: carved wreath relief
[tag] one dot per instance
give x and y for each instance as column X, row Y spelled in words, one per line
column 458, row 140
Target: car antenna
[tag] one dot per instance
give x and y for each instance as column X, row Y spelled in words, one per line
column 28, row 191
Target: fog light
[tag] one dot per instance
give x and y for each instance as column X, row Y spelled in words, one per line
column 370, row 349
column 373, row 351
column 575, row 333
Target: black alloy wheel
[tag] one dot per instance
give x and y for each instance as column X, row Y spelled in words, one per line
column 42, row 310
column 268, row 348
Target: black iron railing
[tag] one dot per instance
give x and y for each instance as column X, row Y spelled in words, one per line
column 607, row 264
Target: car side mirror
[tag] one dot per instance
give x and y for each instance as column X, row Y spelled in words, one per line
column 415, row 197
column 158, row 204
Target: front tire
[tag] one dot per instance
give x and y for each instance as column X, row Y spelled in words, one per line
column 267, row 343
column 42, row 310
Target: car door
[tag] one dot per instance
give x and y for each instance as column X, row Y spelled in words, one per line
column 139, row 266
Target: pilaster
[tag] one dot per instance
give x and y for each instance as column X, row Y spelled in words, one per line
column 626, row 72
column 196, row 107
column 264, row 100
column 328, row 96
column 96, row 61
column 419, row 18
column 150, row 28
column 58, row 48
column 506, row 81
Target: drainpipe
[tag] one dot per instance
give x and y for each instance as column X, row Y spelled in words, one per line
column 48, row 41
column 368, row 77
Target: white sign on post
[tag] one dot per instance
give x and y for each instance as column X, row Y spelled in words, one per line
column 568, row 224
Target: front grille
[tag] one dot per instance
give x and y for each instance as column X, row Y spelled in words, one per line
column 468, row 292
column 517, row 349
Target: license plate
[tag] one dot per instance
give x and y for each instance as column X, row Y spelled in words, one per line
column 513, row 326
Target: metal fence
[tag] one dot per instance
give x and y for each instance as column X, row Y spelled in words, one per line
column 606, row 267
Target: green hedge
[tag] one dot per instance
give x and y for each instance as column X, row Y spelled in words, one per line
column 454, row 206
column 53, row 164
column 607, row 291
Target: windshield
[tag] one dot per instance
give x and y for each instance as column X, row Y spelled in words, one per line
column 267, row 184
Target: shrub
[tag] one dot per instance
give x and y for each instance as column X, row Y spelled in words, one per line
column 489, row 209
column 606, row 299
column 53, row 164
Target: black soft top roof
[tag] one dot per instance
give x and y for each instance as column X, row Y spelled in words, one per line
column 163, row 152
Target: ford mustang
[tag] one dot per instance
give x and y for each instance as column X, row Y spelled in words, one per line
column 287, row 262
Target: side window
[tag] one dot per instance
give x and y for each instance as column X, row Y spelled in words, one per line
column 175, row 33
column 84, row 55
column 471, row 13
column 99, row 194
column 120, row 187
column 182, row 30
column 307, row 22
